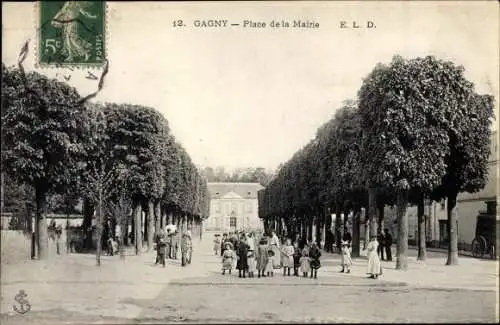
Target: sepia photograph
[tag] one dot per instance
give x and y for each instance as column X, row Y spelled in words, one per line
column 236, row 162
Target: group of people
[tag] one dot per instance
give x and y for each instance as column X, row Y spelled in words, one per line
column 265, row 255
column 167, row 245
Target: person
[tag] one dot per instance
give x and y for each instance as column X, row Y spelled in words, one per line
column 296, row 258
column 109, row 243
column 227, row 258
column 252, row 264
column 346, row 237
column 186, row 248
column 270, row 262
column 374, row 268
column 346, row 257
column 161, row 247
column 388, row 244
column 274, row 245
column 169, row 243
column 251, row 242
column 287, row 258
column 160, row 237
column 262, row 258
column 242, row 263
column 217, row 243
column 175, row 243
column 314, row 255
column 223, row 243
column 381, row 243
column 305, row 266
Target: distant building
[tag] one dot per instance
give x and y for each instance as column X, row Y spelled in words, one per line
column 233, row 206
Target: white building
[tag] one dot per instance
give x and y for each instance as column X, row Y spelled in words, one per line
column 233, row 206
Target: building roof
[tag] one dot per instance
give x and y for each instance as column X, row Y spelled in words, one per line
column 244, row 190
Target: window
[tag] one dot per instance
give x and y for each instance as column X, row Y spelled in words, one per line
column 232, row 222
column 217, row 207
column 248, row 207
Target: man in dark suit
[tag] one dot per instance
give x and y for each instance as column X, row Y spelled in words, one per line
column 388, row 244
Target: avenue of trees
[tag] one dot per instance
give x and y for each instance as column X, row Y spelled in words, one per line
column 417, row 131
column 120, row 160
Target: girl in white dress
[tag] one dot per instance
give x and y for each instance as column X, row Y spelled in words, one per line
column 374, row 268
column 287, row 257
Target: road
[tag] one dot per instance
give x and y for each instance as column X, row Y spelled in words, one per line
column 137, row 291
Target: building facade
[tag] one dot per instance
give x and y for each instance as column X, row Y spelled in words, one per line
column 233, row 206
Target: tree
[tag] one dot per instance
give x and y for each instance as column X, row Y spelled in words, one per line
column 42, row 130
column 405, row 149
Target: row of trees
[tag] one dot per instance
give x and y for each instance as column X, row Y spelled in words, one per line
column 120, row 159
column 418, row 130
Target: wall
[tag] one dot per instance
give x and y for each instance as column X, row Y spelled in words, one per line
column 16, row 246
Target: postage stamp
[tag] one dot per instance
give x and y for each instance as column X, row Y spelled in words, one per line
column 72, row 33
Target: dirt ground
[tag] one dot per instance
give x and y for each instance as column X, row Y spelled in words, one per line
column 71, row 289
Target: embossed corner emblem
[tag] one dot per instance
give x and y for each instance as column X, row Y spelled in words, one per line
column 72, row 33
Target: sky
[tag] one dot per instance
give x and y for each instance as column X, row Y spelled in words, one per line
column 241, row 97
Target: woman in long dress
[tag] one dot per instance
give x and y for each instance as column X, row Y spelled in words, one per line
column 274, row 245
column 287, row 257
column 262, row 257
column 242, row 263
column 374, row 267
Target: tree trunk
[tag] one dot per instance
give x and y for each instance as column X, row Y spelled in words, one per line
column 157, row 210
column 372, row 211
column 367, row 231
column 355, row 232
column 380, row 214
column 138, row 229
column 151, row 223
column 99, row 227
column 452, row 230
column 421, row 229
column 88, row 214
column 402, row 217
column 338, row 235
column 67, row 229
column 42, row 236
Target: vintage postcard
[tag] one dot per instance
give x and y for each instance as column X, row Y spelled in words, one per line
column 250, row 162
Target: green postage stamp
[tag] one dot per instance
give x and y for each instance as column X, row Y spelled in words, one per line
column 72, row 33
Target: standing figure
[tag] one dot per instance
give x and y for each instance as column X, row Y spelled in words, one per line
column 252, row 264
column 262, row 258
column 346, row 257
column 274, row 245
column 176, row 237
column 315, row 254
column 161, row 247
column 169, row 243
column 227, row 258
column 223, row 243
column 296, row 258
column 242, row 263
column 381, row 244
column 287, row 258
column 186, row 248
column 217, row 245
column 270, row 262
column 374, row 268
column 388, row 244
column 305, row 266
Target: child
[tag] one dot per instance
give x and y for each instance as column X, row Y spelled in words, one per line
column 314, row 254
column 270, row 264
column 227, row 259
column 252, row 264
column 305, row 266
column 296, row 259
column 287, row 258
column 346, row 257
column 216, row 245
